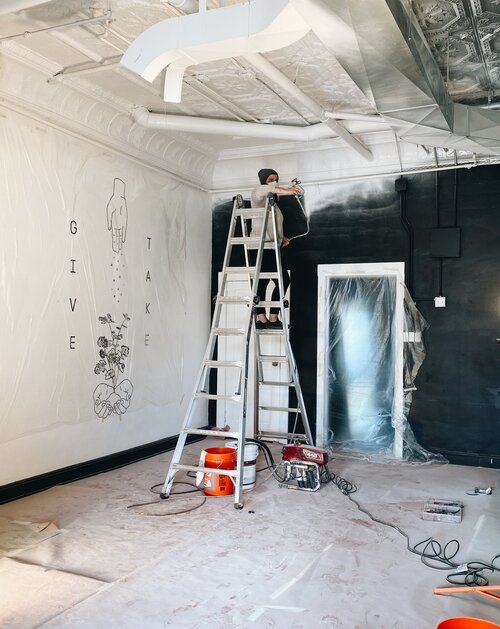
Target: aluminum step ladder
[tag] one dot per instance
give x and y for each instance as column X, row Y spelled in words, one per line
column 210, row 362
column 296, row 410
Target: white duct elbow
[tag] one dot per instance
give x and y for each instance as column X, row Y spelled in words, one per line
column 215, row 126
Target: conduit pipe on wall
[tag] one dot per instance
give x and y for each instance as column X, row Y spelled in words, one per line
column 264, row 66
column 215, row 126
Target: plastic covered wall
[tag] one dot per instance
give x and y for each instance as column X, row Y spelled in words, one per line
column 361, row 361
column 367, row 404
column 104, row 277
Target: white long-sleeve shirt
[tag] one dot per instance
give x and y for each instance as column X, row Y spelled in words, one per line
column 258, row 199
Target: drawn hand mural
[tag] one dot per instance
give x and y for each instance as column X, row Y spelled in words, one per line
column 117, row 214
column 112, row 397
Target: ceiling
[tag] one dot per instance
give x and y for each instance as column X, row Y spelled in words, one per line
column 464, row 37
column 393, row 65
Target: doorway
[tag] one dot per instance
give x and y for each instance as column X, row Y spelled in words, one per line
column 360, row 356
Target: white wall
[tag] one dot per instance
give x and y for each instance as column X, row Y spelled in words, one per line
column 60, row 272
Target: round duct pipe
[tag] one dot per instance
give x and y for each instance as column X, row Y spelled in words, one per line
column 186, row 6
column 215, row 126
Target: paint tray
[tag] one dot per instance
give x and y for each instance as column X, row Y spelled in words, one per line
column 440, row 510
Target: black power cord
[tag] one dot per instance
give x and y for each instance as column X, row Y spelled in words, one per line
column 268, row 455
column 434, row 555
column 176, row 493
column 327, row 476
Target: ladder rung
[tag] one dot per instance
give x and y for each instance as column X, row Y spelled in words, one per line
column 272, row 359
column 205, row 470
column 223, row 363
column 275, row 383
column 250, row 270
column 245, row 240
column 288, row 435
column 211, row 433
column 233, row 299
column 229, row 331
column 270, row 331
column 254, row 212
column 270, row 304
column 279, row 409
column 200, row 395
column 245, row 270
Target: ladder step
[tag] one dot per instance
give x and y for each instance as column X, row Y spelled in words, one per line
column 271, row 304
column 224, row 299
column 279, row 409
column 214, row 364
column 229, row 331
column 205, row 470
column 262, row 434
column 272, row 359
column 254, row 212
column 265, row 331
column 250, row 270
column 215, row 396
column 211, row 433
column 245, row 270
column 248, row 240
column 276, row 383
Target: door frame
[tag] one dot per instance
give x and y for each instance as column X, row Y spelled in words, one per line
column 373, row 269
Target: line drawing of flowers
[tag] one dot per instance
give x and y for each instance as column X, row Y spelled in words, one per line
column 112, row 397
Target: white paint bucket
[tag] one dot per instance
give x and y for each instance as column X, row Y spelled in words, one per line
column 249, row 463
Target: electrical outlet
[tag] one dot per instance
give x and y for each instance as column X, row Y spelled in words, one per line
column 440, row 302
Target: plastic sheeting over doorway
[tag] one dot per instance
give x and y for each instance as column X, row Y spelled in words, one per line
column 370, row 348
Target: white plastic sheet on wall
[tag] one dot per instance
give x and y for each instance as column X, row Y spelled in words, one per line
column 362, row 346
column 94, row 293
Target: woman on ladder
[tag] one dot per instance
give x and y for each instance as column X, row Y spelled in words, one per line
column 269, row 184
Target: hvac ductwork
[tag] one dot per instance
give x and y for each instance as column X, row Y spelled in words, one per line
column 383, row 50
column 380, row 46
column 215, row 126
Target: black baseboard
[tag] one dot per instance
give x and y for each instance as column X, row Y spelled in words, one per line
column 32, row 485
column 472, row 459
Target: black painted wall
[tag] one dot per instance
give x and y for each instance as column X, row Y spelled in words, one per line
column 456, row 408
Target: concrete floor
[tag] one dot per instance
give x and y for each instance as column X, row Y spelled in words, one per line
column 288, row 560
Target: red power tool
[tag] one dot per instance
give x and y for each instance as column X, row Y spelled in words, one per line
column 302, row 466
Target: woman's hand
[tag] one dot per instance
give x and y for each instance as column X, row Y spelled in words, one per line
column 285, row 242
column 295, row 190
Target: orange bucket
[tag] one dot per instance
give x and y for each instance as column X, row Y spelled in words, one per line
column 467, row 623
column 219, row 484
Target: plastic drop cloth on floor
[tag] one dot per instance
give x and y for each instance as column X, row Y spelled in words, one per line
column 375, row 347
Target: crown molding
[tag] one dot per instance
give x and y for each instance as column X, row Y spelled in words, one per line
column 28, row 57
column 91, row 114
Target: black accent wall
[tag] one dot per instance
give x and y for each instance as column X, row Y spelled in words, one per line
column 456, row 408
